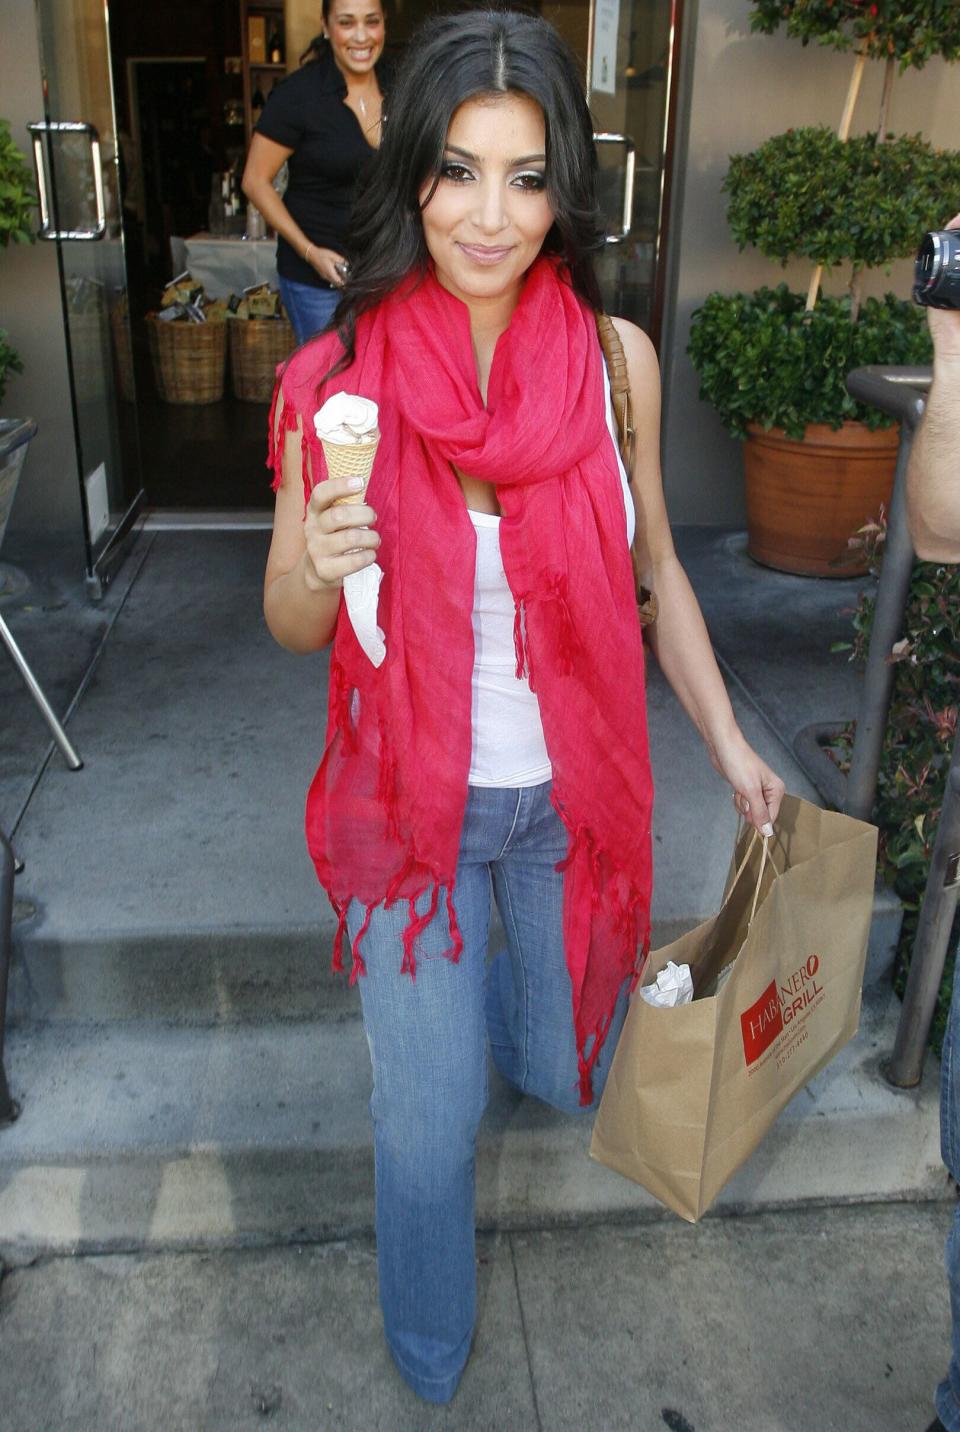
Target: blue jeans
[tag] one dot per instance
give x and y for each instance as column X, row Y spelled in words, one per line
column 428, row 1041
column 948, row 1393
column 309, row 309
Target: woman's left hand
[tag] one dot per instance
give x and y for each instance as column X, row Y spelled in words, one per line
column 757, row 791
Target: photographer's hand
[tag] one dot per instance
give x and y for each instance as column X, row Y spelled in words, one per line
column 933, row 477
column 945, row 327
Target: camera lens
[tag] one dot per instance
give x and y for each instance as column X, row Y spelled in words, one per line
column 936, row 281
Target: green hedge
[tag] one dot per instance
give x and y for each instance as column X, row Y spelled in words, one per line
column 808, row 194
column 761, row 358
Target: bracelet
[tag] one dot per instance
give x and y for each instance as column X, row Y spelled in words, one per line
column 306, row 252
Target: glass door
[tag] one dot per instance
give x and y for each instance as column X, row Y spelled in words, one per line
column 630, row 68
column 78, row 179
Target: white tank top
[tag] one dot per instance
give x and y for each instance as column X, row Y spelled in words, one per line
column 508, row 744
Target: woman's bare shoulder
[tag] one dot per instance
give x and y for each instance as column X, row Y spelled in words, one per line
column 641, row 355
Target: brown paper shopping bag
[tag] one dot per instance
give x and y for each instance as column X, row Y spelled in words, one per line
column 692, row 1090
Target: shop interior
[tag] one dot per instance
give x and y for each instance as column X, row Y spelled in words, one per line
column 189, row 80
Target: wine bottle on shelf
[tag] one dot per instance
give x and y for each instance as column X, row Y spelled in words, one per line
column 257, row 102
column 274, row 47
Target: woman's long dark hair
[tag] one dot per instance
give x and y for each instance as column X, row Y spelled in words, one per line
column 452, row 59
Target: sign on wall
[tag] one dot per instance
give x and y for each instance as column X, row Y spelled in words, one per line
column 606, row 28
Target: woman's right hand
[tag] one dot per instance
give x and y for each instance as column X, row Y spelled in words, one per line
column 323, row 262
column 340, row 539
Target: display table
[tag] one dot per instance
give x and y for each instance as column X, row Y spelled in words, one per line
column 225, row 265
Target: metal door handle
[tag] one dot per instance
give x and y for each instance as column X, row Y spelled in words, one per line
column 630, row 168
column 67, row 126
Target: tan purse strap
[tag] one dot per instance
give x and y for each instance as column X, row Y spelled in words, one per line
column 616, row 361
column 618, row 373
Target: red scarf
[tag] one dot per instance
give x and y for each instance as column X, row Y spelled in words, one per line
column 385, row 810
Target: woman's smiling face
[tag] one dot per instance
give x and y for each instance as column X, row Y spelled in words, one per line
column 355, row 29
column 489, row 214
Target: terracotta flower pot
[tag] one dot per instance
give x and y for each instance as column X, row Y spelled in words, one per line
column 805, row 500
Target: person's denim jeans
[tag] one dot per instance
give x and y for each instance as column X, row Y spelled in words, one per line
column 428, row 1043
column 948, row 1393
column 309, row 309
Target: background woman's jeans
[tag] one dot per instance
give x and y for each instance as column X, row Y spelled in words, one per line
column 309, row 309
column 948, row 1393
column 428, row 1043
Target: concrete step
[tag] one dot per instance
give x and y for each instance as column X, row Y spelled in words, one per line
column 143, row 1136
column 243, row 975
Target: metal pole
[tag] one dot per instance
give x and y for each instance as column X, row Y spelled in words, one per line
column 899, row 392
column 9, row 1109
column 930, row 946
column 46, row 710
column 898, row 557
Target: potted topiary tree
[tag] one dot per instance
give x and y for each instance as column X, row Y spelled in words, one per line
column 17, row 199
column 774, row 363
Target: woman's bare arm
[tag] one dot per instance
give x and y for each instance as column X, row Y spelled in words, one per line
column 310, row 554
column 679, row 636
column 264, row 161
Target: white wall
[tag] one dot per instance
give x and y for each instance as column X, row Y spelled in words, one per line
column 744, row 88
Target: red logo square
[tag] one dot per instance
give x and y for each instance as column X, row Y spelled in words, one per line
column 761, row 1023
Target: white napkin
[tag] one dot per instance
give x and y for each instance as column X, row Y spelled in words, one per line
column 672, row 986
column 346, row 418
column 361, row 593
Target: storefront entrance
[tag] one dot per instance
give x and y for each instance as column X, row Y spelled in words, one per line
column 170, row 94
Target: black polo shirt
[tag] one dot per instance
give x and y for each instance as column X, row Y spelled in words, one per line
column 306, row 112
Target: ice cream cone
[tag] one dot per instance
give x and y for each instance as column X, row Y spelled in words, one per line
column 352, row 460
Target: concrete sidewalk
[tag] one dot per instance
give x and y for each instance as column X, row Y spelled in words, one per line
column 190, row 1072
column 194, row 1133
column 819, row 1321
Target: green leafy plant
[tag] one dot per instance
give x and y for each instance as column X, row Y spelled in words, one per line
column 922, row 726
column 9, row 363
column 809, row 194
column 17, row 199
column 911, row 31
column 763, row 358
column 774, row 358
column 17, row 196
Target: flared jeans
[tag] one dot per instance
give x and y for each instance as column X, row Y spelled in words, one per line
column 429, row 1040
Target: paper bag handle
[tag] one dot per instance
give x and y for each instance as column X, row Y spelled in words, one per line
column 763, row 865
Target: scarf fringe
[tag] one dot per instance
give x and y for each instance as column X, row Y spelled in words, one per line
column 586, row 1062
column 359, row 968
column 341, row 911
column 414, row 928
column 626, row 906
column 565, row 643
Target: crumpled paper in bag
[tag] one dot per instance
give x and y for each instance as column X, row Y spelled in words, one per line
column 673, row 986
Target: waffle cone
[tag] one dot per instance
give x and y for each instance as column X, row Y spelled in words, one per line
column 351, row 460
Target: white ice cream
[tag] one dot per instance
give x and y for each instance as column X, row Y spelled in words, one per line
column 346, row 418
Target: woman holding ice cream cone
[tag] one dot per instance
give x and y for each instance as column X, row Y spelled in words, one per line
column 499, row 745
column 323, row 122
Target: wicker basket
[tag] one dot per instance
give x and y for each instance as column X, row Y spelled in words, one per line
column 189, row 360
column 257, row 345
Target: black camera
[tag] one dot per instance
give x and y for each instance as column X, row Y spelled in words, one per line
column 936, row 280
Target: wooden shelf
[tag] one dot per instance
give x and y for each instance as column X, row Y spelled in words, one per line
column 272, row 12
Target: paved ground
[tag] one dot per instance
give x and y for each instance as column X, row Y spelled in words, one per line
column 833, row 1320
column 823, row 1320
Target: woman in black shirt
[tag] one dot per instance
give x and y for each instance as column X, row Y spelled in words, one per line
column 324, row 122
